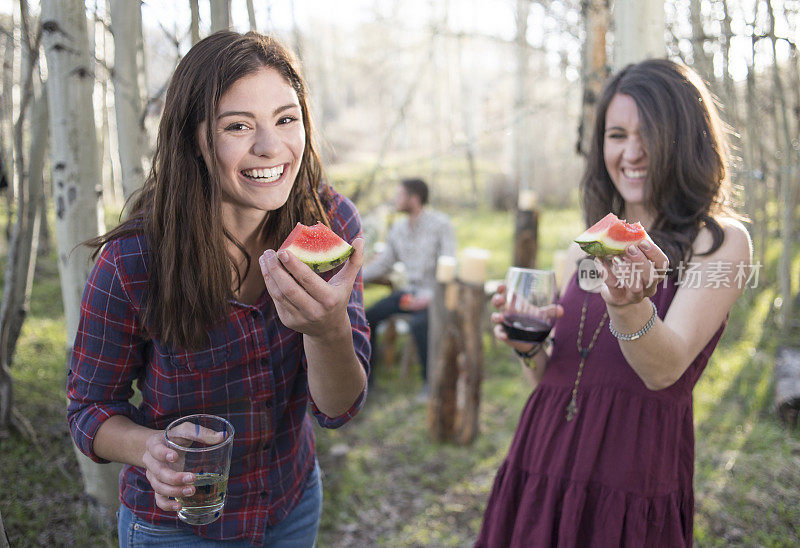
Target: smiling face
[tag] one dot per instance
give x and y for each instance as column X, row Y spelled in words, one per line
column 623, row 150
column 259, row 140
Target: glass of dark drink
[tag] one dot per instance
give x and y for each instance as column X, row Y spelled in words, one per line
column 531, row 297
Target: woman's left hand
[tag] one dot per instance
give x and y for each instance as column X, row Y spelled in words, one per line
column 303, row 300
column 632, row 277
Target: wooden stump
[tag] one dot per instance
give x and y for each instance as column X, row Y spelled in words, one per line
column 456, row 351
column 526, row 238
column 443, row 343
column 470, row 364
column 787, row 385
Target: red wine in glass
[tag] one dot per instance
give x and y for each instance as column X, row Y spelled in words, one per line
column 525, row 328
column 529, row 312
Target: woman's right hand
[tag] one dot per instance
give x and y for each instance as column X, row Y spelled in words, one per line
column 499, row 302
column 160, row 463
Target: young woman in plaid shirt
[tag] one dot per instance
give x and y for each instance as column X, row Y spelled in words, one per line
column 185, row 301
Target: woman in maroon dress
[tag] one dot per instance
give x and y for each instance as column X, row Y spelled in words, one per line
column 604, row 451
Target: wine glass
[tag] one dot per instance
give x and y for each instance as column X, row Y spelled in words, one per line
column 530, row 308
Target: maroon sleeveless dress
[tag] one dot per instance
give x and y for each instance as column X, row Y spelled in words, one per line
column 620, row 473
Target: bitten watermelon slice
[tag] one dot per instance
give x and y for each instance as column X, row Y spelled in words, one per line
column 318, row 246
column 611, row 236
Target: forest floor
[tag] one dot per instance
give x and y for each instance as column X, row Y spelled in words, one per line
column 387, row 484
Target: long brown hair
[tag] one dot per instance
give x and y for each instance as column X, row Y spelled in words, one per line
column 687, row 186
column 178, row 209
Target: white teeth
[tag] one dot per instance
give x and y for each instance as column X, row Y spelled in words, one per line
column 264, row 175
column 635, row 173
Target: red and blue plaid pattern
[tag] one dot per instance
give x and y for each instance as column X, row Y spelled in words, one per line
column 253, row 372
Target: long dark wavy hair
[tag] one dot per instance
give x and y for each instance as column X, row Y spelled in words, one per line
column 687, row 185
column 178, row 209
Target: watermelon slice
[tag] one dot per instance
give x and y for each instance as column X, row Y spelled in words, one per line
column 611, row 236
column 318, row 246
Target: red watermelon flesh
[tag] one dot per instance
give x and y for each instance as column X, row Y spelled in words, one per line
column 611, row 236
column 318, row 246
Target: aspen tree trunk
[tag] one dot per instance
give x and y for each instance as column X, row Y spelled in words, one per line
column 752, row 188
column 702, row 63
column 107, row 171
column 6, row 106
column 783, row 142
column 639, row 28
column 794, row 67
column 45, row 240
column 251, row 15
column 220, row 14
column 439, row 86
column 129, row 97
column 75, row 177
column 468, row 108
column 595, row 66
column 761, row 191
column 521, row 133
column 22, row 252
column 23, row 242
column 730, row 99
column 296, row 34
column 6, row 121
column 194, row 24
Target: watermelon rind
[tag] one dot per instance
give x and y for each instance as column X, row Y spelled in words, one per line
column 600, row 249
column 596, row 241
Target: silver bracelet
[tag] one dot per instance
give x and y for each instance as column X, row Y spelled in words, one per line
column 633, row 336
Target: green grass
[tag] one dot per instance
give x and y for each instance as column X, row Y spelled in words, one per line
column 387, row 484
column 747, row 473
column 392, row 489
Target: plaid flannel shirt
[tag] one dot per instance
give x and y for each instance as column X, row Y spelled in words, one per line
column 253, row 372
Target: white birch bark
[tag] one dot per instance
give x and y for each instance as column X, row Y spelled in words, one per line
column 639, row 27
column 76, row 180
column 730, row 97
column 297, row 36
column 194, row 22
column 22, row 251
column 783, row 141
column 23, row 241
column 109, row 159
column 220, row 14
column 6, row 120
column 752, row 189
column 251, row 15
column 6, row 104
column 596, row 18
column 701, row 61
column 129, row 98
column 521, row 134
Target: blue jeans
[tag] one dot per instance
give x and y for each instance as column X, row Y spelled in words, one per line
column 384, row 309
column 298, row 530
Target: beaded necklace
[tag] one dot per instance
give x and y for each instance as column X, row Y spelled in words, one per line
column 572, row 408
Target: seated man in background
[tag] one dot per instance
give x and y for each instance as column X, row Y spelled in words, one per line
column 416, row 241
